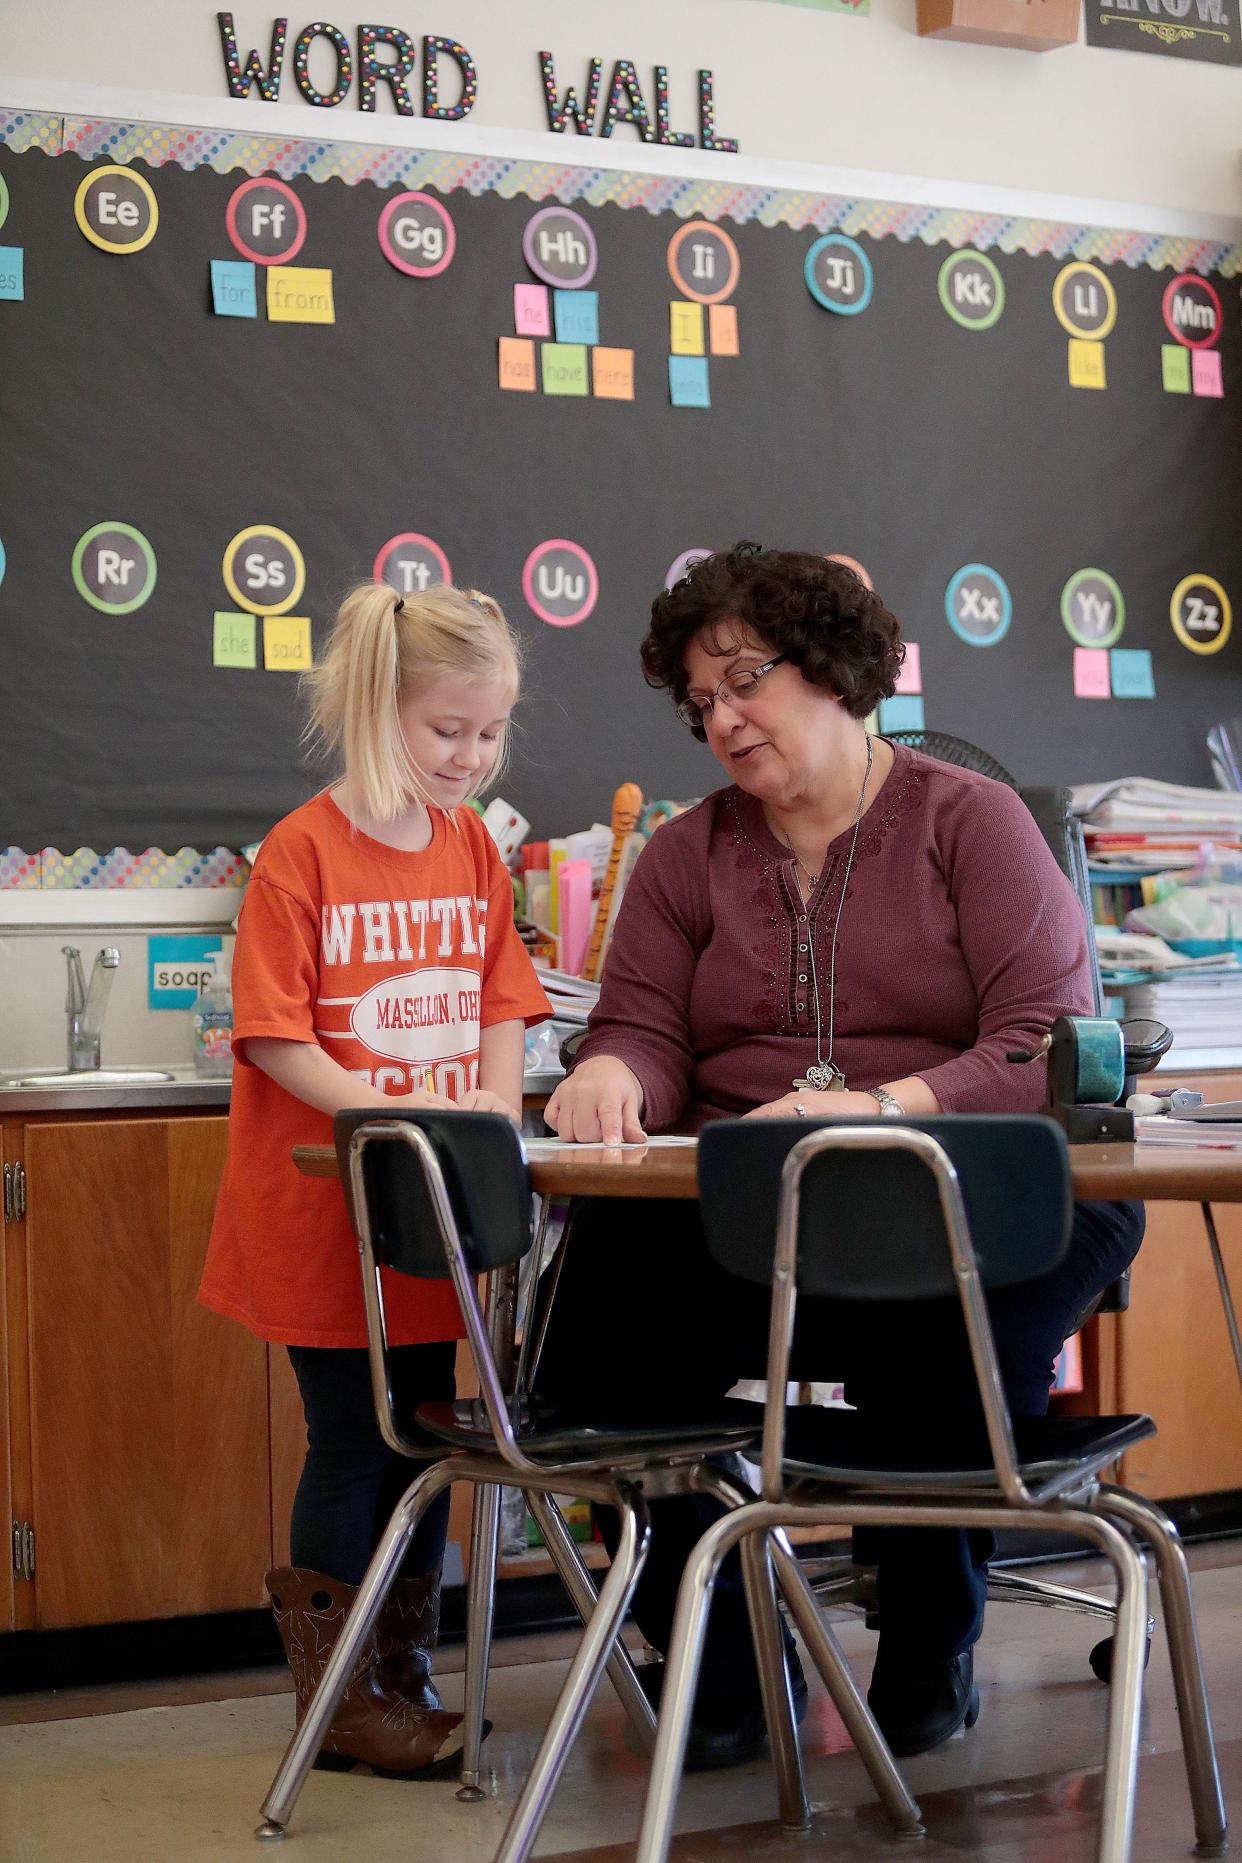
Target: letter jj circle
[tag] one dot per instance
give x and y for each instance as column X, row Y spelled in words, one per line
column 560, row 583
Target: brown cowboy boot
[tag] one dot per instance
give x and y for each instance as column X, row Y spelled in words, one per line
column 406, row 1637
column 375, row 1724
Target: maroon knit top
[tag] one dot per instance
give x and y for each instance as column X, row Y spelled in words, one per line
column 959, row 938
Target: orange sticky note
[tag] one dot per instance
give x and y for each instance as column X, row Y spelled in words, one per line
column 612, row 374
column 722, row 329
column 517, row 363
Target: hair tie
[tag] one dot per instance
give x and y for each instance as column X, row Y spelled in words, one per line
column 399, row 605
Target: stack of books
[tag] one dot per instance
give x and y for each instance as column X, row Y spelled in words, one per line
column 1137, row 825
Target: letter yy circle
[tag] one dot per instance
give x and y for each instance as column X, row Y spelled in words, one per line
column 560, row 583
column 1093, row 608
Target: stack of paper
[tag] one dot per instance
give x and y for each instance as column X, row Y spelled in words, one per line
column 1135, row 822
column 1202, row 1006
column 572, row 998
column 1192, row 1134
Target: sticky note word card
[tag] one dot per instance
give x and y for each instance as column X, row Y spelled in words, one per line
column 688, row 383
column 565, row 369
column 517, row 364
column 1091, row 680
column 612, row 374
column 233, row 292
column 286, row 643
column 233, row 640
column 299, row 294
column 577, row 316
column 1086, row 364
column 685, row 328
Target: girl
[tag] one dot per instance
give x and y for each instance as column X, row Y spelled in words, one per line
column 377, row 964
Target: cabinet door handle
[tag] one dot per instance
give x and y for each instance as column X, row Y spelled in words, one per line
column 8, row 1193
column 19, row 1193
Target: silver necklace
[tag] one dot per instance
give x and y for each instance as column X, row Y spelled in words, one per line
column 826, row 1076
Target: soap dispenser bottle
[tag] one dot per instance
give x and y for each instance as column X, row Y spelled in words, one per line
column 212, row 1020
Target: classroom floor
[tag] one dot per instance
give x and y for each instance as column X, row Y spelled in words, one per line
column 175, row 1772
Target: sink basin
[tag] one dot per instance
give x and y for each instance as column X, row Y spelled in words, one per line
column 89, row 1077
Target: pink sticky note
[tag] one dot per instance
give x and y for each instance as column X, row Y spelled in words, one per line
column 573, row 882
column 530, row 310
column 910, row 678
column 1091, row 673
column 1205, row 372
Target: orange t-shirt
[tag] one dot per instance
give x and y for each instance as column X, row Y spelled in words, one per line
column 393, row 962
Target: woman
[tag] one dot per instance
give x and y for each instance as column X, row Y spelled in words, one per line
column 848, row 928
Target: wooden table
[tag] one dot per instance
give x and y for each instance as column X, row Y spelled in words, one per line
column 1100, row 1172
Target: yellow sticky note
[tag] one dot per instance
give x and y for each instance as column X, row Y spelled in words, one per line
column 517, row 363
column 722, row 329
column 1086, row 364
column 685, row 328
column 286, row 643
column 299, row 294
column 612, row 372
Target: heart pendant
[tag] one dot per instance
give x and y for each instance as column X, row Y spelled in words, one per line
column 822, row 1079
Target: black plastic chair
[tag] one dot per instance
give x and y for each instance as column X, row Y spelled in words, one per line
column 447, row 1195
column 918, row 1210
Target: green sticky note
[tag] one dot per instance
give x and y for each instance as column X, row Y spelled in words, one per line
column 234, row 643
column 1175, row 368
column 565, row 369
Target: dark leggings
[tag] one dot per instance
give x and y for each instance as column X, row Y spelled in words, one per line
column 644, row 1316
column 351, row 1479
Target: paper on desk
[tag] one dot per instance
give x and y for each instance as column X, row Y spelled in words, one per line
column 1186, row 1134
column 560, row 1144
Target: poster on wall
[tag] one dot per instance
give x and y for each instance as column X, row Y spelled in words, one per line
column 1208, row 31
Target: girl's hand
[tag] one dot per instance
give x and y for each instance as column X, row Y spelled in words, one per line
column 480, row 1101
column 601, row 1102
column 818, row 1106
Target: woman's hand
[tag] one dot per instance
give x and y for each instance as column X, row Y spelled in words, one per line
column 818, row 1106
column 600, row 1103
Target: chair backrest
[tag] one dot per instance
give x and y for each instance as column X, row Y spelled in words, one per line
column 871, row 1225
column 1052, row 808
column 483, row 1162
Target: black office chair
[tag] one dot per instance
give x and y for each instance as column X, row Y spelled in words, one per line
column 442, row 1195
column 878, row 1211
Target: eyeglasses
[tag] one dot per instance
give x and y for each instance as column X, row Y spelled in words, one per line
column 740, row 685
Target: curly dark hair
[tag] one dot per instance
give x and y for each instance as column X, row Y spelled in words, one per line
column 820, row 614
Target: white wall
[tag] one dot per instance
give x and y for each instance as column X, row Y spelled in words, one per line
column 791, row 84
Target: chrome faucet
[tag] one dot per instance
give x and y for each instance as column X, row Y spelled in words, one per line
column 85, row 1007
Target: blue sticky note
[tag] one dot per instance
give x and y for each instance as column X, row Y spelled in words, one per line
column 1132, row 674
column 233, row 288
column 12, row 272
column 177, row 969
column 577, row 316
column 688, row 384
column 903, row 712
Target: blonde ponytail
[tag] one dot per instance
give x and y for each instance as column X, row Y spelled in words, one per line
column 382, row 647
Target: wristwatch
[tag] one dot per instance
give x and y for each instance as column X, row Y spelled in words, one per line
column 890, row 1108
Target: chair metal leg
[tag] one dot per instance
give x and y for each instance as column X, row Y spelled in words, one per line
column 681, row 1675
column 577, row 1581
column 480, row 1612
column 1017, row 1588
column 1186, row 1660
column 1222, row 1282
column 848, row 1699
column 581, row 1682
column 1125, row 1700
column 300, row 1754
column 765, row 1630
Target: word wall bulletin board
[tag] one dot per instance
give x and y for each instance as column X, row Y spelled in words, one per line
column 241, row 373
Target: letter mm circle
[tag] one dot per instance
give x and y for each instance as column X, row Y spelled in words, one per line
column 86, row 188
column 440, row 214
column 84, row 588
column 1073, row 627
column 1183, row 279
column 1200, row 581
column 689, row 289
column 944, row 287
column 843, row 307
column 682, row 565
column 1090, row 333
column 271, row 185
column 539, row 606
column 959, row 627
column 244, row 599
